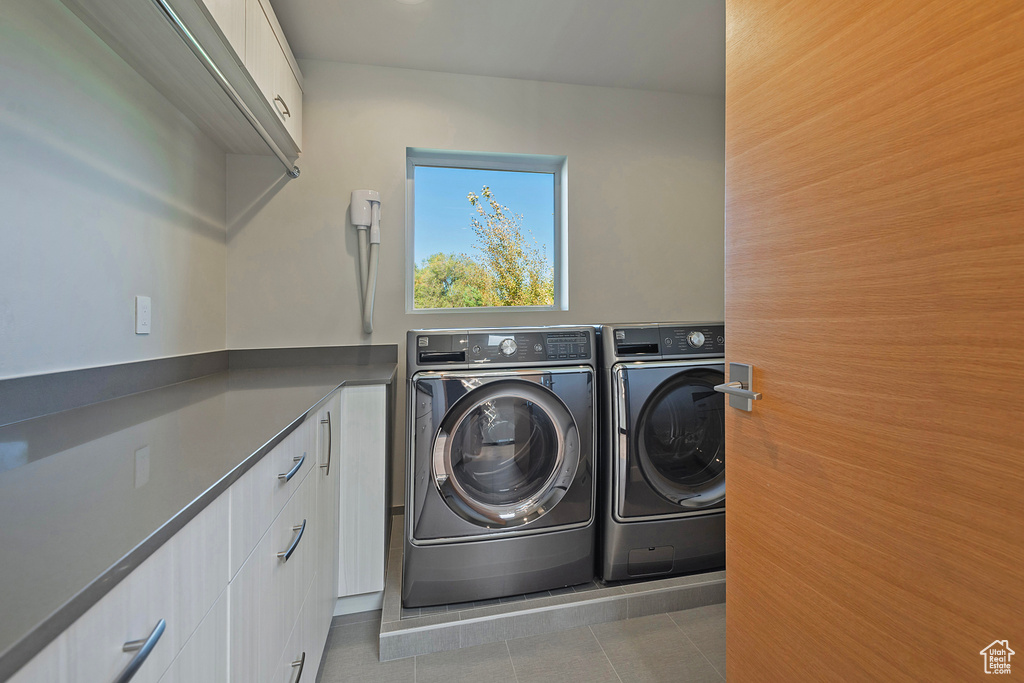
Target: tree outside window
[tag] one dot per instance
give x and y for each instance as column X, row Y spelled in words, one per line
column 484, row 237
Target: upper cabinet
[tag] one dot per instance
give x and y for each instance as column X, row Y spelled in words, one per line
column 272, row 66
column 229, row 15
column 244, row 43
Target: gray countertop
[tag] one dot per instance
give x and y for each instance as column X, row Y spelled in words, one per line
column 76, row 516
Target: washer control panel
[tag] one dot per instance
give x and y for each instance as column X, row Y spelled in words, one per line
column 509, row 347
column 528, row 346
column 567, row 345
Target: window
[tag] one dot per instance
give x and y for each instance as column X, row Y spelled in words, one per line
column 485, row 232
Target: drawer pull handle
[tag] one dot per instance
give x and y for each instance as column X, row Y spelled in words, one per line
column 285, row 111
column 142, row 648
column 330, row 444
column 291, row 473
column 299, row 664
column 285, row 554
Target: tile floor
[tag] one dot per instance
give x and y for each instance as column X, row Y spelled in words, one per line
column 679, row 647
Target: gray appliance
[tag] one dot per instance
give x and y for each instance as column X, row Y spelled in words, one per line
column 500, row 494
column 662, row 450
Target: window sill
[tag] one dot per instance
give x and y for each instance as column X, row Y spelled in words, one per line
column 490, row 309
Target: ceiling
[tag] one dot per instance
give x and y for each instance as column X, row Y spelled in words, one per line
column 672, row 45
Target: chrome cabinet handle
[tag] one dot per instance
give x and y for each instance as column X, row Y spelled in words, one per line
column 736, row 389
column 330, row 445
column 740, row 387
column 286, row 112
column 285, row 554
column 300, row 664
column 291, row 473
column 142, row 648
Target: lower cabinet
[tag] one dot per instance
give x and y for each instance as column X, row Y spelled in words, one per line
column 245, row 592
column 205, row 655
column 282, row 598
column 363, row 510
column 328, row 475
column 288, row 562
column 301, row 657
column 163, row 601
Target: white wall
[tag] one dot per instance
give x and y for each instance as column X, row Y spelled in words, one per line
column 646, row 198
column 106, row 191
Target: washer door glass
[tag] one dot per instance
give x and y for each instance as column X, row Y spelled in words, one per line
column 681, row 439
column 503, row 452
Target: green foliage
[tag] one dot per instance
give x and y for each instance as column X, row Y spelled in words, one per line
column 509, row 271
column 450, row 281
column 520, row 271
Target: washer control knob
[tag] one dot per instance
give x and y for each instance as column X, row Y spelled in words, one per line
column 695, row 339
column 507, row 347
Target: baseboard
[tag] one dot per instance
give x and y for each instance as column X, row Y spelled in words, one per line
column 351, row 604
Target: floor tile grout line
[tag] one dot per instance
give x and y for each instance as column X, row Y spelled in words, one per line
column 510, row 661
column 609, row 659
column 706, row 658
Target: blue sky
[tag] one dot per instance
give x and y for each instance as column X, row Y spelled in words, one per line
column 443, row 213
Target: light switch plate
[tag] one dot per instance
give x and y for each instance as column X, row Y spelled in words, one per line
column 143, row 314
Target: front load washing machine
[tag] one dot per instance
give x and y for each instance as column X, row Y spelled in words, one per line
column 500, row 486
column 663, row 449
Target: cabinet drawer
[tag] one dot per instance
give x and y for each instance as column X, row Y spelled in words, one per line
column 177, row 584
column 299, row 658
column 267, row 592
column 261, row 493
column 205, row 656
column 284, row 582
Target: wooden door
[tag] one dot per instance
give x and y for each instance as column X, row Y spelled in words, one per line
column 875, row 279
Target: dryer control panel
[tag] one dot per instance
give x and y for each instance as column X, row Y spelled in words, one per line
column 687, row 340
column 668, row 341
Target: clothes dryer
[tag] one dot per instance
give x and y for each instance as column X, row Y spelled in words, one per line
column 662, row 449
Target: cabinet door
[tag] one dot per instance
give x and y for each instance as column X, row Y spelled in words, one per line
column 230, row 18
column 205, row 655
column 177, row 584
column 50, row 665
column 328, row 476
column 270, row 68
column 287, row 98
column 261, row 48
column 362, row 514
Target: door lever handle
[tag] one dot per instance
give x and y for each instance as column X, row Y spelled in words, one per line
column 736, row 389
column 740, row 387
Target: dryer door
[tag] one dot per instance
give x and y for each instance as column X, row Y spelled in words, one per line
column 505, row 453
column 672, row 433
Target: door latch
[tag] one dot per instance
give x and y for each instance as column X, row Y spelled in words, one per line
column 740, row 387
